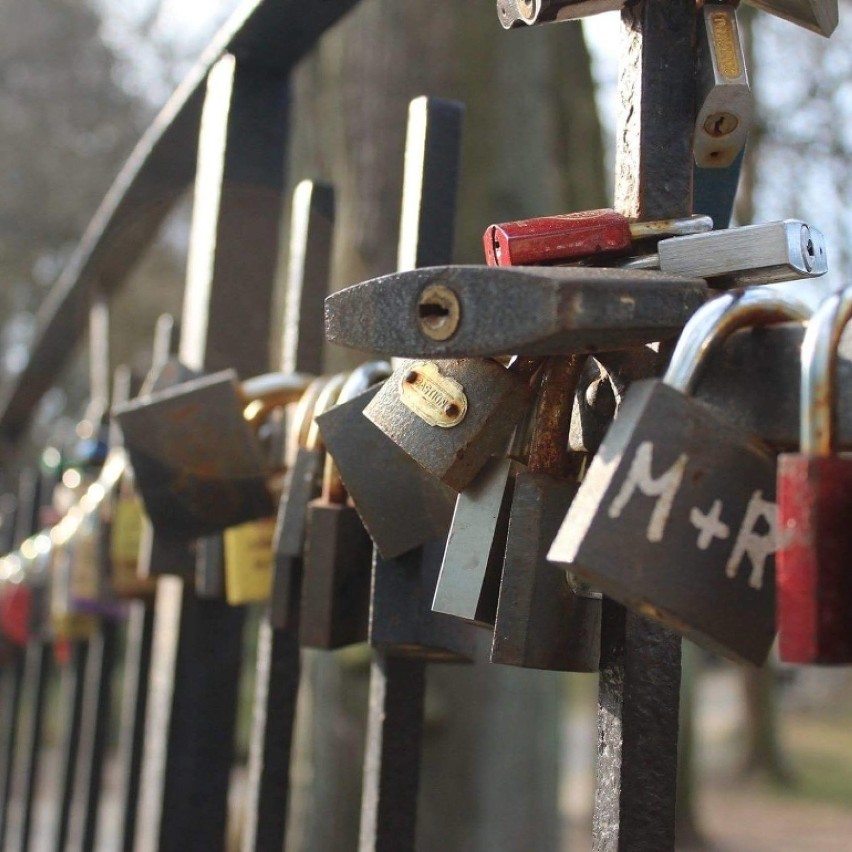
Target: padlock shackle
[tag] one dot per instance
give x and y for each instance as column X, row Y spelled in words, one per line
column 303, row 416
column 271, row 390
column 817, row 403
column 713, row 323
column 327, row 399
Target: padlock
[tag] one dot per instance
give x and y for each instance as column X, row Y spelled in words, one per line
column 544, row 621
column 820, row 16
column 196, row 458
column 248, row 561
column 125, row 541
column 402, row 623
column 725, row 102
column 403, row 508
column 533, row 311
column 676, row 515
column 752, row 254
column 16, row 611
column 573, row 237
column 452, row 416
column 338, row 550
column 469, row 581
column 302, row 484
column 813, row 580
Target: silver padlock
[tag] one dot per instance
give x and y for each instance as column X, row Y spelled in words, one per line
column 725, row 102
column 753, row 254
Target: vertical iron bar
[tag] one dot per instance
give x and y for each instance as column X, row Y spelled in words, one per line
column 71, row 691
column 11, row 680
column 39, row 663
column 137, row 659
column 392, row 755
column 93, row 739
column 397, row 686
column 278, row 655
column 640, row 661
column 12, row 685
column 226, row 323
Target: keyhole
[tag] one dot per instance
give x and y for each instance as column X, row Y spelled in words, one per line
column 438, row 312
column 720, row 124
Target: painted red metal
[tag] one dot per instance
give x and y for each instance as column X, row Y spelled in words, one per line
column 557, row 239
column 814, row 559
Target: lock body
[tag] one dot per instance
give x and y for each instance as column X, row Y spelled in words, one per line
column 401, row 505
column 814, row 580
column 411, row 409
column 541, row 623
column 336, row 581
column 662, row 524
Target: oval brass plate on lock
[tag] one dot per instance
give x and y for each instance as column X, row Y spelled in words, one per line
column 436, row 399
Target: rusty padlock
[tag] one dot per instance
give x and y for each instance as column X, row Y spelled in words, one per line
column 196, row 457
column 545, row 621
column 676, row 515
column 813, row 577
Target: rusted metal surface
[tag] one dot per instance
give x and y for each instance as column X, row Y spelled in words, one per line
column 514, row 310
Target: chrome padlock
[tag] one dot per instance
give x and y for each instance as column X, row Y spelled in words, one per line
column 572, row 237
column 725, row 102
column 197, row 461
column 752, row 254
column 676, row 515
column 813, row 577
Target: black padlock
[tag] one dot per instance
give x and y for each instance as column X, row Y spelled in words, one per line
column 338, row 551
column 402, row 508
column 402, row 623
column 196, row 458
column 543, row 620
column 676, row 516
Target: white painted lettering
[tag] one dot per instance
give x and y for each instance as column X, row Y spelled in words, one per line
column 663, row 487
column 709, row 526
column 758, row 548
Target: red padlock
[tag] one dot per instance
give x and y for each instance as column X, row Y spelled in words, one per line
column 16, row 612
column 813, row 572
column 577, row 236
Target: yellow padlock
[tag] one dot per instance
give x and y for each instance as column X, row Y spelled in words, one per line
column 249, row 562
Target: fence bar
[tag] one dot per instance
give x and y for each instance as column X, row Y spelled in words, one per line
column 278, row 656
column 94, row 734
column 139, row 635
column 640, row 662
column 397, row 686
column 71, row 692
column 226, row 323
column 11, row 682
column 39, row 664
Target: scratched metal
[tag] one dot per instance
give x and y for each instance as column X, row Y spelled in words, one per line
column 514, row 311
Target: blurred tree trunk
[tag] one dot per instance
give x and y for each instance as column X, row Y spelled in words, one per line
column 532, row 146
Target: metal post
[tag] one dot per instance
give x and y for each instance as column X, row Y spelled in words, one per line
column 640, row 661
column 278, row 655
column 197, row 646
column 397, row 686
